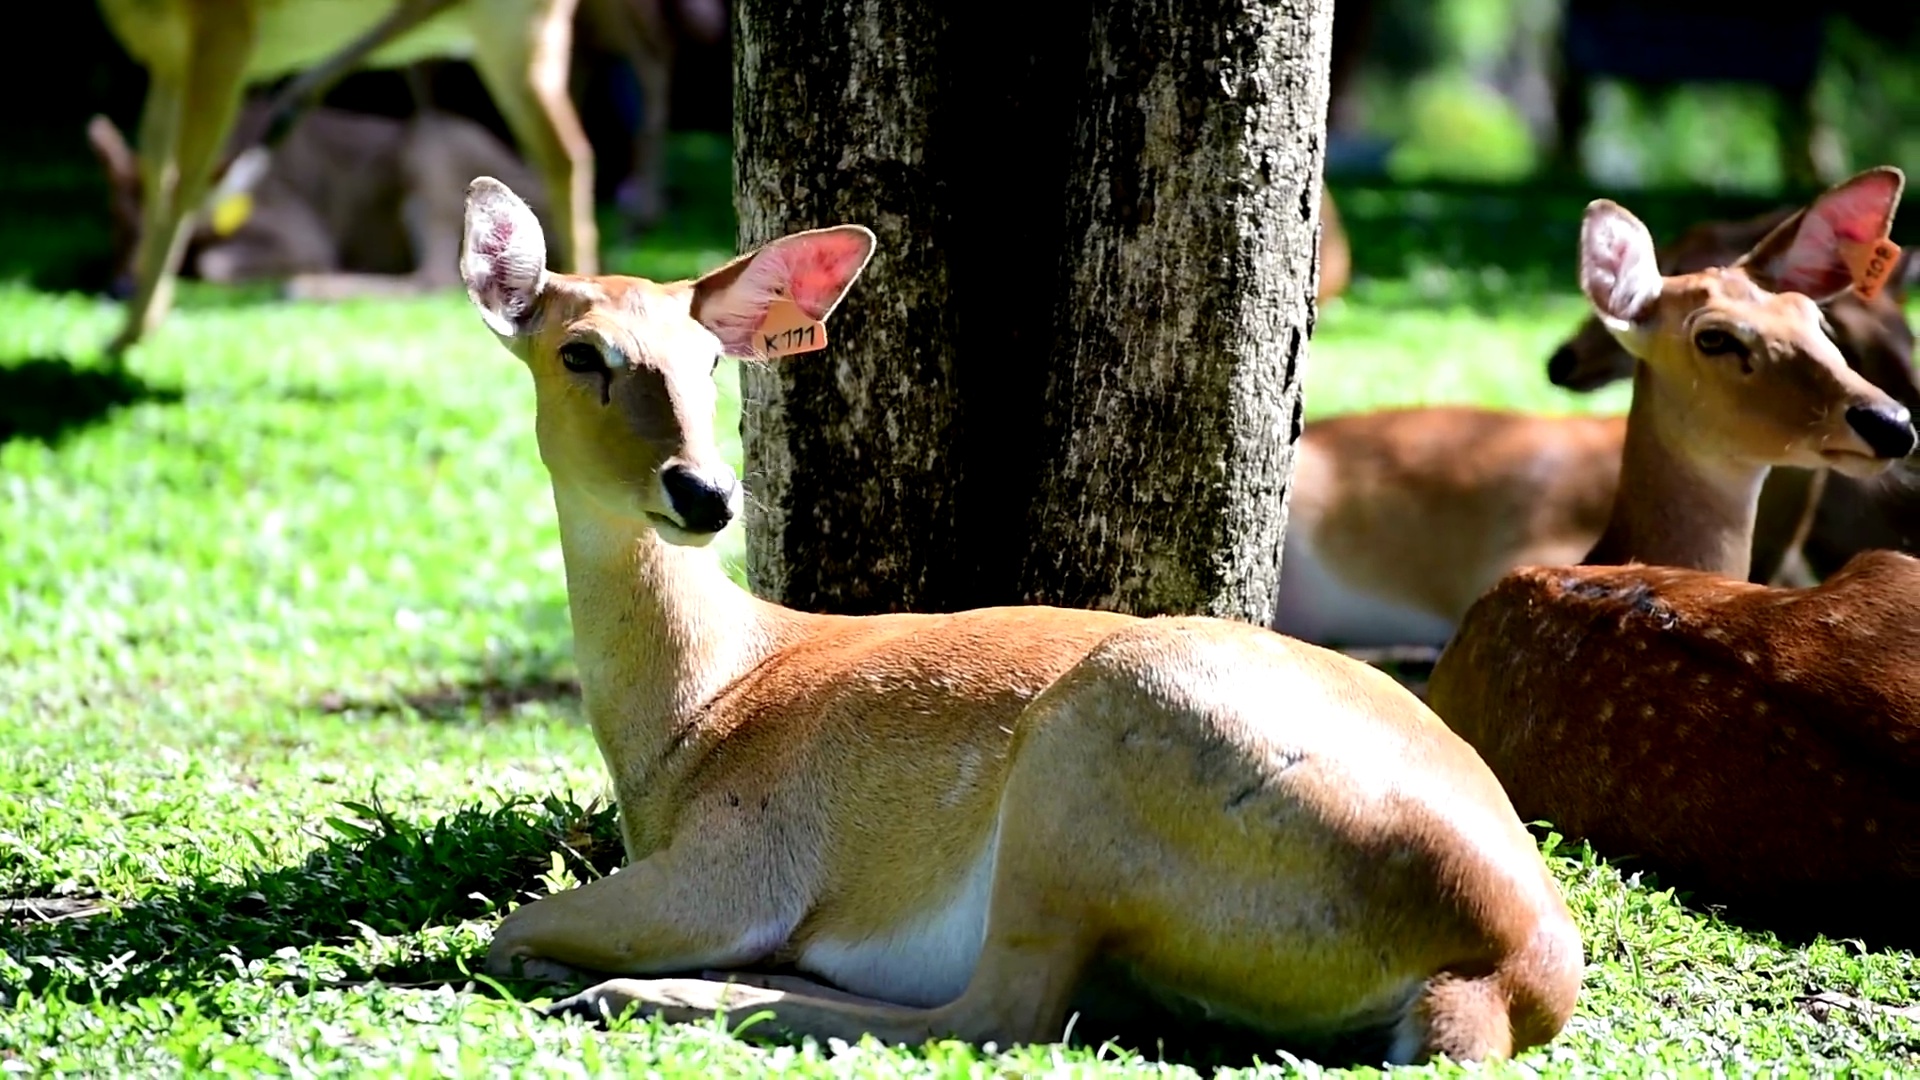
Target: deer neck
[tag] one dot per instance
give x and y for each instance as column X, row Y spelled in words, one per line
column 1676, row 507
column 658, row 630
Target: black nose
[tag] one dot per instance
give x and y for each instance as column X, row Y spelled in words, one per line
column 702, row 501
column 1888, row 429
column 121, row 288
column 1560, row 366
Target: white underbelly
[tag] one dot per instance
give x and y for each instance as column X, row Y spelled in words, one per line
column 924, row 961
column 1316, row 605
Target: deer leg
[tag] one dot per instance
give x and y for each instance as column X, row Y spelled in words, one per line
column 677, row 910
column 523, row 57
column 639, row 30
column 183, row 126
column 643, row 195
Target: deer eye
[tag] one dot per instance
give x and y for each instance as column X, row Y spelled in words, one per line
column 1718, row 343
column 583, row 358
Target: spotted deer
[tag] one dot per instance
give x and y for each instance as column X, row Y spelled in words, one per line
column 200, row 54
column 957, row 822
column 1758, row 745
column 1401, row 518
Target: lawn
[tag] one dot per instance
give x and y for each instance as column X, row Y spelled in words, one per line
column 287, row 718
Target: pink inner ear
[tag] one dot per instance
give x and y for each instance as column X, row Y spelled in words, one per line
column 811, row 270
column 819, row 269
column 1861, row 212
column 1618, row 269
column 1813, row 263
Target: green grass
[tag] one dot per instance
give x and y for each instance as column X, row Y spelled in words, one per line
column 287, row 717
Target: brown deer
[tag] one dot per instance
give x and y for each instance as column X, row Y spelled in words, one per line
column 962, row 821
column 1401, row 518
column 1760, row 745
column 346, row 204
column 200, row 54
column 1825, row 518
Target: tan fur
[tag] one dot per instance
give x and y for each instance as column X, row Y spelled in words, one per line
column 200, row 54
column 1751, row 741
column 959, row 819
column 1427, row 507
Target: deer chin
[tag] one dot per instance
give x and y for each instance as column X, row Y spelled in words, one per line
column 1856, row 465
column 677, row 534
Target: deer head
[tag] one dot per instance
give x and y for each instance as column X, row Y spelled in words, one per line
column 622, row 367
column 1735, row 360
column 235, row 178
column 1873, row 335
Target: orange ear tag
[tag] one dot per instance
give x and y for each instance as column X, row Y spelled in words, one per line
column 1870, row 262
column 787, row 330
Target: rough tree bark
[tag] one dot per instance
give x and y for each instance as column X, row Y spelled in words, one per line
column 1070, row 373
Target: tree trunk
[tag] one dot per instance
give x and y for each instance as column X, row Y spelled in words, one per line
column 1174, row 401
column 1070, row 373
column 849, row 452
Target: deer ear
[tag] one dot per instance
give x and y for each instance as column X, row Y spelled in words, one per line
column 503, row 256
column 1824, row 249
column 1618, row 269
column 810, row 271
column 122, row 164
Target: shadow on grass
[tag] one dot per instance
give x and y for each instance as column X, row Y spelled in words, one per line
column 491, row 697
column 501, row 685
column 395, row 878
column 49, row 399
column 391, row 875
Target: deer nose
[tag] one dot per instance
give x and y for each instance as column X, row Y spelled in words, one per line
column 701, row 499
column 122, row 286
column 1560, row 366
column 1888, row 429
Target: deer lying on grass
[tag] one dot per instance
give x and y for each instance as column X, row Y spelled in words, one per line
column 200, row 54
column 1761, row 745
column 346, row 204
column 1401, row 518
column 1839, row 516
column 959, row 818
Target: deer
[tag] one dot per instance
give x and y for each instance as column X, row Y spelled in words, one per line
column 1401, row 518
column 642, row 32
column 200, row 54
column 1757, row 745
column 954, row 824
column 1334, row 261
column 1821, row 517
column 347, row 204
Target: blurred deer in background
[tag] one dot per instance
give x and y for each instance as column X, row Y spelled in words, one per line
column 201, row 54
column 647, row 33
column 346, row 204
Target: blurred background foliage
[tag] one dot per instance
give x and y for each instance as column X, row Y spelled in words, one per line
column 1459, row 90
column 1441, row 150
